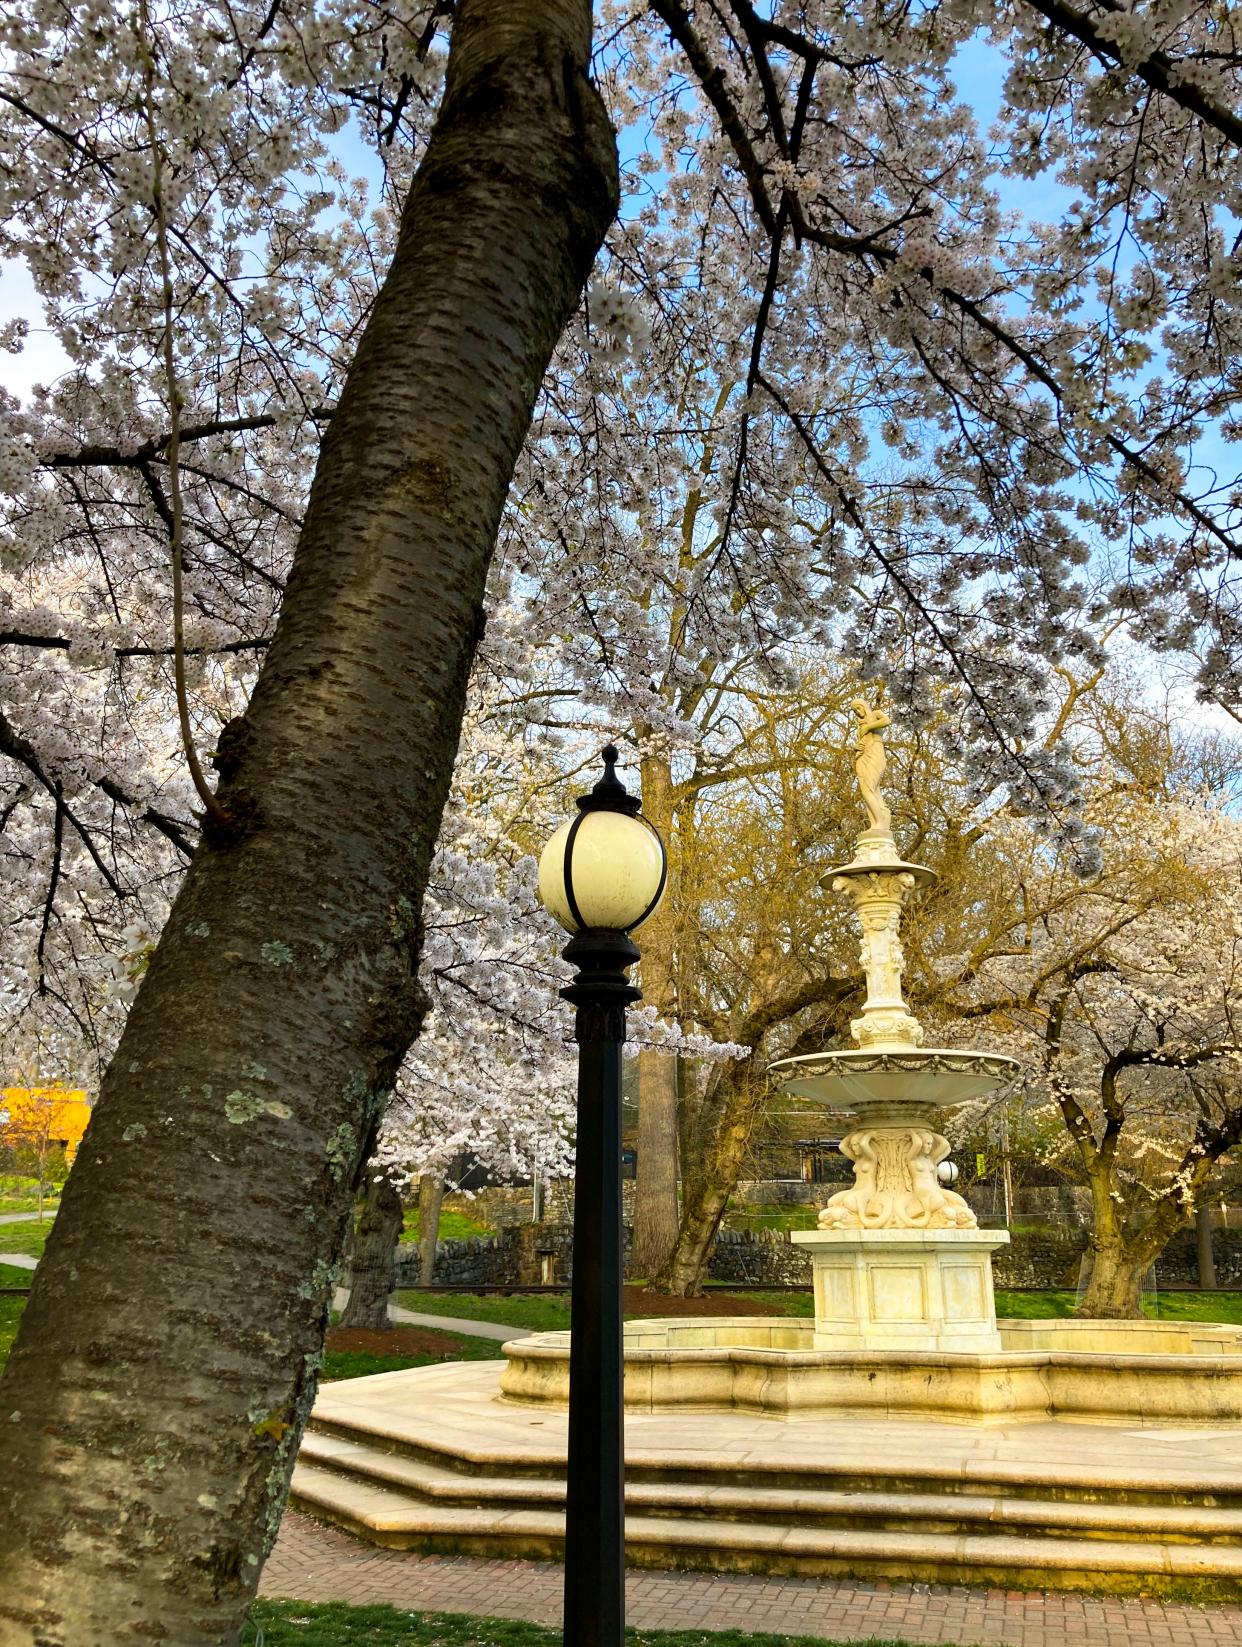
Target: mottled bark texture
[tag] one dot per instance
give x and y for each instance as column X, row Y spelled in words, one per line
column 372, row 1256
column 737, row 1098
column 1122, row 1250
column 430, row 1200
column 655, row 1188
column 167, row 1360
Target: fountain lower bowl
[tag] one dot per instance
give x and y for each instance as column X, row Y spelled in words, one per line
column 1128, row 1373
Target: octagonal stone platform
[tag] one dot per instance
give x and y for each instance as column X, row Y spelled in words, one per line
column 434, row 1460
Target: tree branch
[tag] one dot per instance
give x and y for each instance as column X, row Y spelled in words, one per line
column 1156, row 69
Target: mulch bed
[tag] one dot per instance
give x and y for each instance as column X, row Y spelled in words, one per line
column 640, row 1303
column 396, row 1341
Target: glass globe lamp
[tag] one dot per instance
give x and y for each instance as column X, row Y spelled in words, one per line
column 605, row 869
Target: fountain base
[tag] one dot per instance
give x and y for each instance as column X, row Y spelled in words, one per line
column 902, row 1289
column 1129, row 1374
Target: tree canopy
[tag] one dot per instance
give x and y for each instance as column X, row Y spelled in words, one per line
column 339, row 452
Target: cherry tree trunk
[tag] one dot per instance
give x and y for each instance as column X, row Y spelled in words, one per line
column 166, row 1364
column 732, row 1106
column 655, row 1186
column 372, row 1257
column 430, row 1200
column 1114, row 1286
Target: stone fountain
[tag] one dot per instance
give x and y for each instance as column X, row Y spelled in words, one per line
column 899, row 1260
column 899, row 1435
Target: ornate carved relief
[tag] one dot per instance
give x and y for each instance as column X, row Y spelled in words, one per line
column 895, row 1184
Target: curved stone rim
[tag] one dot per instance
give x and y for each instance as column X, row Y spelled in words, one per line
column 554, row 1346
column 1030, row 1383
column 950, row 1060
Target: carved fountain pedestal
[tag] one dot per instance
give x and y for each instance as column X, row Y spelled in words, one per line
column 899, row 1261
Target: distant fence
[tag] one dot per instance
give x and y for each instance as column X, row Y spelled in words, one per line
column 528, row 1254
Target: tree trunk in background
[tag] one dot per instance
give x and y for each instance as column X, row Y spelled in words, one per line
column 1203, row 1246
column 724, row 1120
column 1114, row 1283
column 655, row 1186
column 1114, row 1287
column 732, row 1106
column 166, row 1363
column 372, row 1256
column 430, row 1197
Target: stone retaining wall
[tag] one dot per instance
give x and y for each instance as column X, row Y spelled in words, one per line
column 528, row 1254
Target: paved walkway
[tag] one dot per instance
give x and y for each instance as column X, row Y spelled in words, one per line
column 443, row 1323
column 26, row 1217
column 458, row 1323
column 19, row 1260
column 312, row 1562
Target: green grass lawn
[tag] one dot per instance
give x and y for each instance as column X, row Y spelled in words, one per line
column 549, row 1312
column 541, row 1312
column 454, row 1225
column 1164, row 1306
column 771, row 1216
column 26, row 1203
column 10, row 1314
column 333, row 1624
column 789, row 1303
column 360, row 1364
column 26, row 1238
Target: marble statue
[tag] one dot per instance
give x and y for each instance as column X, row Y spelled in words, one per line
column 869, row 763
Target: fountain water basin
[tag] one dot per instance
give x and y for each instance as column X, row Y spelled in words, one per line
column 1131, row 1374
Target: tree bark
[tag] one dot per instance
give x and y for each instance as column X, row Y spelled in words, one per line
column 1114, row 1283
column 1203, row 1247
column 736, row 1101
column 725, row 1121
column 166, row 1364
column 372, row 1256
column 430, row 1199
column 1114, row 1287
column 655, row 1186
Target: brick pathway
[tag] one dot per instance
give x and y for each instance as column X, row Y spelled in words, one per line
column 317, row 1563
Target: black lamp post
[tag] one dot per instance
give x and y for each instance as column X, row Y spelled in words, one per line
column 601, row 875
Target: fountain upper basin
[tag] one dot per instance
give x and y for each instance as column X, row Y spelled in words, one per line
column 935, row 1077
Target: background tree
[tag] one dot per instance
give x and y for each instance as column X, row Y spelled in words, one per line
column 1119, row 994
column 371, row 1251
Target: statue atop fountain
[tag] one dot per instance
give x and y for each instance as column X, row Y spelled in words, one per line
column 898, row 1257
column 869, row 764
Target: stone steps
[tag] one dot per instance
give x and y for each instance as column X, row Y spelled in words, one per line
column 947, row 1531
column 399, row 1520
column 434, row 1452
column 946, row 1510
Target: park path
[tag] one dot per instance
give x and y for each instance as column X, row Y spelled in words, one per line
column 24, row 1217
column 458, row 1323
column 312, row 1562
column 405, row 1318
column 442, row 1323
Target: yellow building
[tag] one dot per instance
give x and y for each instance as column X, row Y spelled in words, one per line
column 43, row 1118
